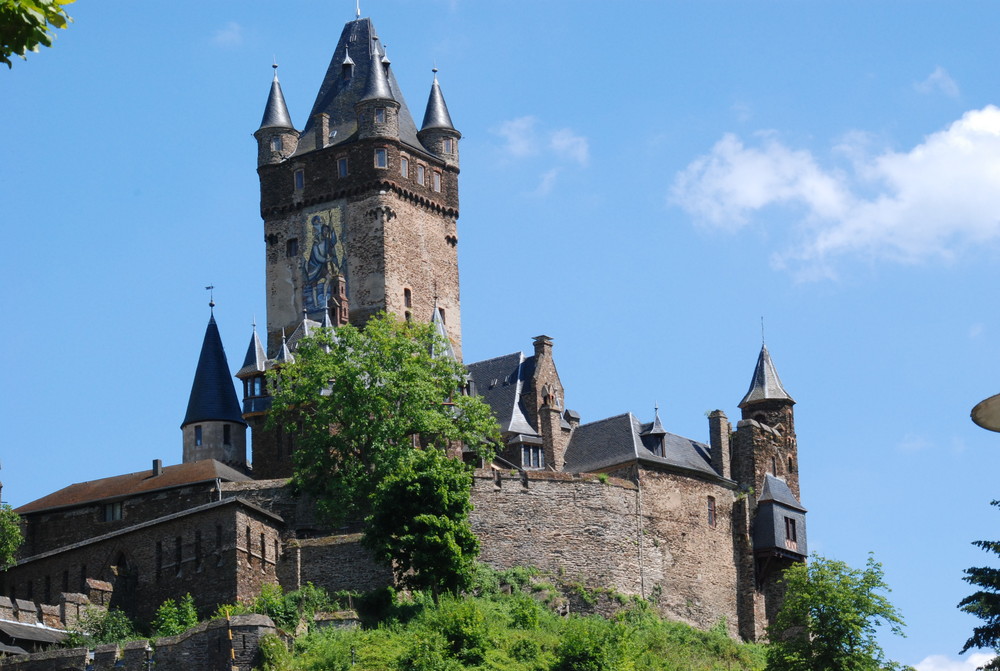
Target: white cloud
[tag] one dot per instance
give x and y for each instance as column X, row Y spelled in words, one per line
column 944, row 663
column 938, row 81
column 230, row 35
column 568, row 144
column 547, row 182
column 519, row 136
column 934, row 201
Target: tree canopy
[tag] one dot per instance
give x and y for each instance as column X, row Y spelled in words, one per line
column 829, row 618
column 985, row 604
column 25, row 24
column 373, row 412
column 10, row 535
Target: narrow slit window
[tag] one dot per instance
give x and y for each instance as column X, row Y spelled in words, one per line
column 300, row 179
column 292, row 247
column 407, row 298
column 342, row 167
column 420, row 174
column 711, row 511
column 227, row 434
column 197, row 435
column 437, row 181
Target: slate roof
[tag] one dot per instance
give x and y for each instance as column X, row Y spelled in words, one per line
column 499, row 381
column 776, row 489
column 337, row 96
column 436, row 115
column 276, row 112
column 213, row 396
column 39, row 633
column 765, row 385
column 134, row 483
column 619, row 440
column 256, row 359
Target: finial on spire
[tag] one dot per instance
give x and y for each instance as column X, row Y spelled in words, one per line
column 762, row 329
column 211, row 297
column 357, row 9
column 254, row 322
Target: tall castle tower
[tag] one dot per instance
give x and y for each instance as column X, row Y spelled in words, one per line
column 360, row 194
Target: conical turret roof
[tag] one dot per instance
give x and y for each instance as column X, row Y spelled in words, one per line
column 276, row 112
column 345, row 84
column 256, row 359
column 436, row 115
column 377, row 87
column 213, row 396
column 765, row 385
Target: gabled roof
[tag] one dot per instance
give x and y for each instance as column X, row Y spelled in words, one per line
column 619, row 440
column 765, row 385
column 436, row 115
column 134, row 483
column 499, row 381
column 776, row 489
column 276, row 112
column 338, row 95
column 213, row 396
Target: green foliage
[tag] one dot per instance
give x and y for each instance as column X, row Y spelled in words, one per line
column 285, row 609
column 97, row 626
column 420, row 522
column 592, row 644
column 173, row 618
column 829, row 618
column 985, row 604
column 25, row 24
column 274, row 654
column 361, row 397
column 10, row 534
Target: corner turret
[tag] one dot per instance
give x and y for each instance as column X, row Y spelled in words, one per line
column 377, row 109
column 437, row 133
column 213, row 426
column 277, row 139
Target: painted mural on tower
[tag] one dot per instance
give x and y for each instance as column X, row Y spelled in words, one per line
column 322, row 258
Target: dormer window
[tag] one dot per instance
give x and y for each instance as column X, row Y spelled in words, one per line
column 532, row 456
column 381, row 157
column 300, row 179
column 379, row 115
column 346, row 70
column 276, row 143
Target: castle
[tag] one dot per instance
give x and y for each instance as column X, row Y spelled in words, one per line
column 360, row 212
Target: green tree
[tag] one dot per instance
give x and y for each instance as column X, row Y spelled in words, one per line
column 173, row 618
column 829, row 618
column 433, row 546
column 985, row 604
column 97, row 626
column 25, row 24
column 10, row 535
column 358, row 400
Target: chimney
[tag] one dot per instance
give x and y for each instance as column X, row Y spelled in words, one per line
column 322, row 129
column 157, row 467
column 718, row 436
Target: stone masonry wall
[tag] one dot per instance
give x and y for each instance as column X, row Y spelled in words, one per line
column 220, row 645
column 334, row 563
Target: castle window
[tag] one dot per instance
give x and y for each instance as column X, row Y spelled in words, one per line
column 257, row 386
column 197, row 435
column 276, row 550
column 407, row 298
column 443, row 320
column 774, row 466
column 449, row 145
column 437, row 181
column 791, row 536
column 711, row 511
column 404, row 166
column 249, row 550
column 379, row 115
column 263, row 553
column 227, row 434
column 790, row 464
column 300, row 179
column 409, row 316
column 381, row 158
column 342, row 167
column 292, row 247
column 532, row 456
column 276, row 143
column 113, row 511
column 420, row 175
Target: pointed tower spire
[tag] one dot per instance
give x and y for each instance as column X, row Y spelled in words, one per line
column 256, row 359
column 436, row 115
column 765, row 385
column 284, row 354
column 213, row 425
column 276, row 112
column 437, row 319
column 657, row 428
column 377, row 87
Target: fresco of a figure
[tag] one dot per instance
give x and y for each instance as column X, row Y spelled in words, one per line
column 323, row 258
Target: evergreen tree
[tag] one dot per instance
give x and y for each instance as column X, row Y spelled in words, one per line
column 985, row 604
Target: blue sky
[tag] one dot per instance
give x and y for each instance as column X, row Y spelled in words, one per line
column 642, row 181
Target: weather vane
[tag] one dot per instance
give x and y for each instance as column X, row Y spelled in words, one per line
column 211, row 295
